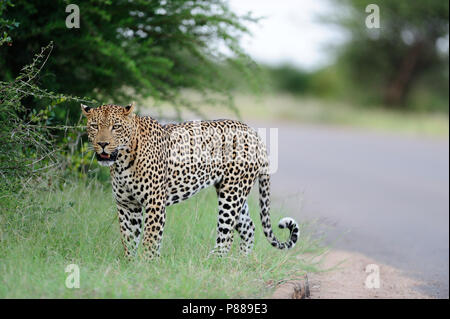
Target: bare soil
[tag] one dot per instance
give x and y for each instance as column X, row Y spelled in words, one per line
column 344, row 277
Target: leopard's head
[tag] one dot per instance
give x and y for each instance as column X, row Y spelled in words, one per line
column 110, row 128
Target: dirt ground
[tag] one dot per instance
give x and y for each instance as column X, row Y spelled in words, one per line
column 345, row 278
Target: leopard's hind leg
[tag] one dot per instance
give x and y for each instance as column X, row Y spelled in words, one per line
column 246, row 230
column 231, row 201
column 233, row 215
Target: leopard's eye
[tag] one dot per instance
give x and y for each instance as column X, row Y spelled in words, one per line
column 116, row 126
column 94, row 126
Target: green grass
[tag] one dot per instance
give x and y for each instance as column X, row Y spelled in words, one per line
column 314, row 111
column 47, row 228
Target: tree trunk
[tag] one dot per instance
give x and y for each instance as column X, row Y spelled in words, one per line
column 397, row 89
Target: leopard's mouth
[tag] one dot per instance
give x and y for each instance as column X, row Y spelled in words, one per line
column 105, row 157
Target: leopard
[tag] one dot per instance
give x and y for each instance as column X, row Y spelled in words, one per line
column 154, row 165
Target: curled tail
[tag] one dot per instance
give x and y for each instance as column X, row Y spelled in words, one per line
column 287, row 222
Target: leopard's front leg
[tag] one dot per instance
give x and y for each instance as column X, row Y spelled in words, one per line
column 130, row 223
column 154, row 201
column 154, row 221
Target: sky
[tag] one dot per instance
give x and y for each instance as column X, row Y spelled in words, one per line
column 290, row 32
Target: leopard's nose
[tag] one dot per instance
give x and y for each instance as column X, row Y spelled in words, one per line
column 103, row 144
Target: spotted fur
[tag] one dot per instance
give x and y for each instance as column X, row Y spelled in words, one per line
column 153, row 166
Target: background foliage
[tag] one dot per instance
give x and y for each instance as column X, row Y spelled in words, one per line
column 124, row 50
column 402, row 57
column 402, row 65
column 31, row 144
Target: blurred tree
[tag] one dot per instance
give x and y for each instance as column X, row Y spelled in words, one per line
column 125, row 49
column 287, row 78
column 390, row 60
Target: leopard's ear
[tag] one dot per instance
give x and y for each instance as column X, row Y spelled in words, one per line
column 129, row 109
column 85, row 109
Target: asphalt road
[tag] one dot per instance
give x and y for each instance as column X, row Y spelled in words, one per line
column 385, row 196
